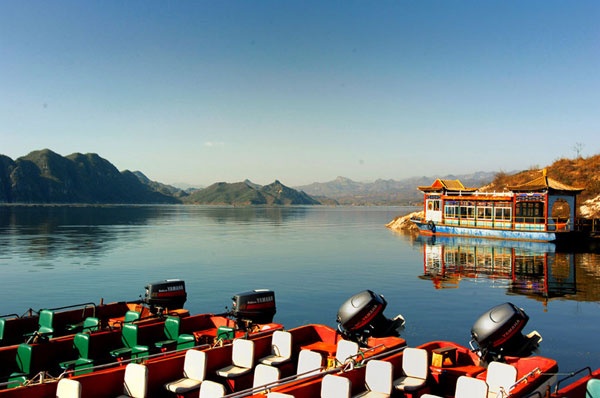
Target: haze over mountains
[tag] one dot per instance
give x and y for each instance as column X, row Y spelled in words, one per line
column 46, row 177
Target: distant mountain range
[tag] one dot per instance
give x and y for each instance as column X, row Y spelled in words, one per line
column 384, row 192
column 47, row 177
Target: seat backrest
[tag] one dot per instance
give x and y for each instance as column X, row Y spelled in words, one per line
column 131, row 316
column 379, row 376
column 129, row 334
column 171, row 330
column 500, row 375
column 46, row 321
column 281, row 344
column 211, row 389
column 335, row 387
column 81, row 342
column 194, row 365
column 2, row 324
column 309, row 361
column 91, row 324
column 135, row 383
column 242, row 354
column 470, row 387
column 24, row 357
column 414, row 362
column 592, row 388
column 68, row 388
column 345, row 349
column 264, row 374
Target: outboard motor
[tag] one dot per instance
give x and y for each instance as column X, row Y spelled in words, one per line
column 497, row 333
column 168, row 294
column 361, row 317
column 256, row 306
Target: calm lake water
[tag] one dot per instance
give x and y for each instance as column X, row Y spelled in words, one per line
column 314, row 258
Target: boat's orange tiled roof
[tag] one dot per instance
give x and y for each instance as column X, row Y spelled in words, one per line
column 447, row 185
column 542, row 183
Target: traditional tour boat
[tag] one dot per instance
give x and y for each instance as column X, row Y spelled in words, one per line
column 541, row 210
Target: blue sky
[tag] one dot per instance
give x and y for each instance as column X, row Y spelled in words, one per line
column 207, row 91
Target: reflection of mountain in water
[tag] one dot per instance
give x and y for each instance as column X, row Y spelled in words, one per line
column 44, row 232
column 533, row 269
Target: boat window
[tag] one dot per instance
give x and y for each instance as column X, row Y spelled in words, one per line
column 530, row 212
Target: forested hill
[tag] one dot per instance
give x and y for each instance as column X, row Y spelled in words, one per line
column 47, row 177
column 579, row 172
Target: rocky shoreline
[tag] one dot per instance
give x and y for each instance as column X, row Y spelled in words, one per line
column 403, row 224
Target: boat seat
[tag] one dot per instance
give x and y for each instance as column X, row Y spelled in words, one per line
column 129, row 337
column 335, row 387
column 279, row 395
column 91, row 324
column 211, row 389
column 24, row 359
column 415, row 369
column 345, row 350
column 68, row 388
column 378, row 379
column 242, row 359
column 83, row 363
column 592, row 388
column 264, row 375
column 2, row 325
column 281, row 349
column 309, row 363
column 135, row 382
column 500, row 378
column 174, row 339
column 470, row 387
column 194, row 372
column 45, row 325
column 131, row 316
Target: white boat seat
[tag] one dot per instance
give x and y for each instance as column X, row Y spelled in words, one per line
column 309, row 363
column 500, row 378
column 194, row 372
column 345, row 349
column 279, row 395
column 470, row 387
column 281, row 349
column 68, row 388
column 265, row 375
column 242, row 359
column 211, row 389
column 415, row 368
column 135, row 384
column 378, row 379
column 335, row 387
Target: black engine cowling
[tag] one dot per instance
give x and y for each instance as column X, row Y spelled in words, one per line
column 361, row 316
column 497, row 333
column 168, row 294
column 253, row 307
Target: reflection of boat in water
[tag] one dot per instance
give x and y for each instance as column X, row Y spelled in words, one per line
column 529, row 268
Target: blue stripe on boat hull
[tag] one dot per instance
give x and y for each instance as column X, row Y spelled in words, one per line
column 441, row 229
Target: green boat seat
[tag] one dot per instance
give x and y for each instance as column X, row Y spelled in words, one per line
column 131, row 348
column 91, row 324
column 174, row 338
column 592, row 388
column 2, row 325
column 131, row 316
column 46, row 321
column 23, row 358
column 83, row 363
